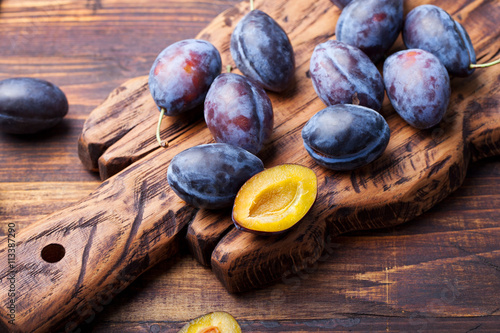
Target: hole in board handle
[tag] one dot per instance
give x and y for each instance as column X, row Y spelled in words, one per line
column 53, row 253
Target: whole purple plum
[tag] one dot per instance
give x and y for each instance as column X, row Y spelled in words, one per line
column 239, row 112
column 262, row 51
column 371, row 25
column 345, row 136
column 341, row 3
column 343, row 74
column 418, row 87
column 430, row 28
column 29, row 105
column 182, row 73
column 210, row 175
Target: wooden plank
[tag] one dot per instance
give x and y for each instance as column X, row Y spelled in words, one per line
column 24, row 202
column 359, row 323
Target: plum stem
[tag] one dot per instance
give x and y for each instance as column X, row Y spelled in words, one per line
column 229, row 68
column 485, row 65
column 158, row 128
column 251, row 5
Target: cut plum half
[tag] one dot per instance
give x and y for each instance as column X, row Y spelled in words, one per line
column 274, row 200
column 213, row 322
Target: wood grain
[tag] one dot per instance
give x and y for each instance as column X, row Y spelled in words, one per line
column 243, row 261
column 87, row 62
column 205, row 232
column 123, row 228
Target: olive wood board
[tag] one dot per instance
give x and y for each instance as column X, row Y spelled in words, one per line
column 134, row 220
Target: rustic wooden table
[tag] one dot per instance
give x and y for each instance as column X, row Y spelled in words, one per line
column 440, row 271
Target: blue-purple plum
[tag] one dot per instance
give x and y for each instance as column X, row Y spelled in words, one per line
column 343, row 74
column 418, row 87
column 345, row 136
column 262, row 51
column 430, row 28
column 182, row 74
column 340, row 3
column 29, row 105
column 239, row 112
column 371, row 25
column 210, row 175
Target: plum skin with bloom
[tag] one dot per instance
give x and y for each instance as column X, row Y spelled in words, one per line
column 239, row 112
column 345, row 137
column 341, row 3
column 182, row 74
column 30, row 105
column 262, row 51
column 418, row 87
column 342, row 73
column 210, row 175
column 432, row 29
column 371, row 25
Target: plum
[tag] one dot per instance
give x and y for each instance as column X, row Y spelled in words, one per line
column 432, row 29
column 340, row 3
column 262, row 51
column 343, row 74
column 181, row 76
column 239, row 112
column 182, row 73
column 210, row 175
column 29, row 105
column 213, row 322
column 418, row 87
column 371, row 25
column 345, row 137
column 276, row 199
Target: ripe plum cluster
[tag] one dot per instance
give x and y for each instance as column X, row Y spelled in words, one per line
column 349, row 133
column 237, row 109
column 416, row 80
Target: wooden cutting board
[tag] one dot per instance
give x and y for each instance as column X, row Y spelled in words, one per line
column 133, row 220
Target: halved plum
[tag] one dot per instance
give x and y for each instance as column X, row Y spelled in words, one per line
column 274, row 200
column 213, row 322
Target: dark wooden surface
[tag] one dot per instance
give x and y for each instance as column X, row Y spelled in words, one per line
column 440, row 271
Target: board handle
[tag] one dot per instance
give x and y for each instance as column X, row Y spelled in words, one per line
column 62, row 271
